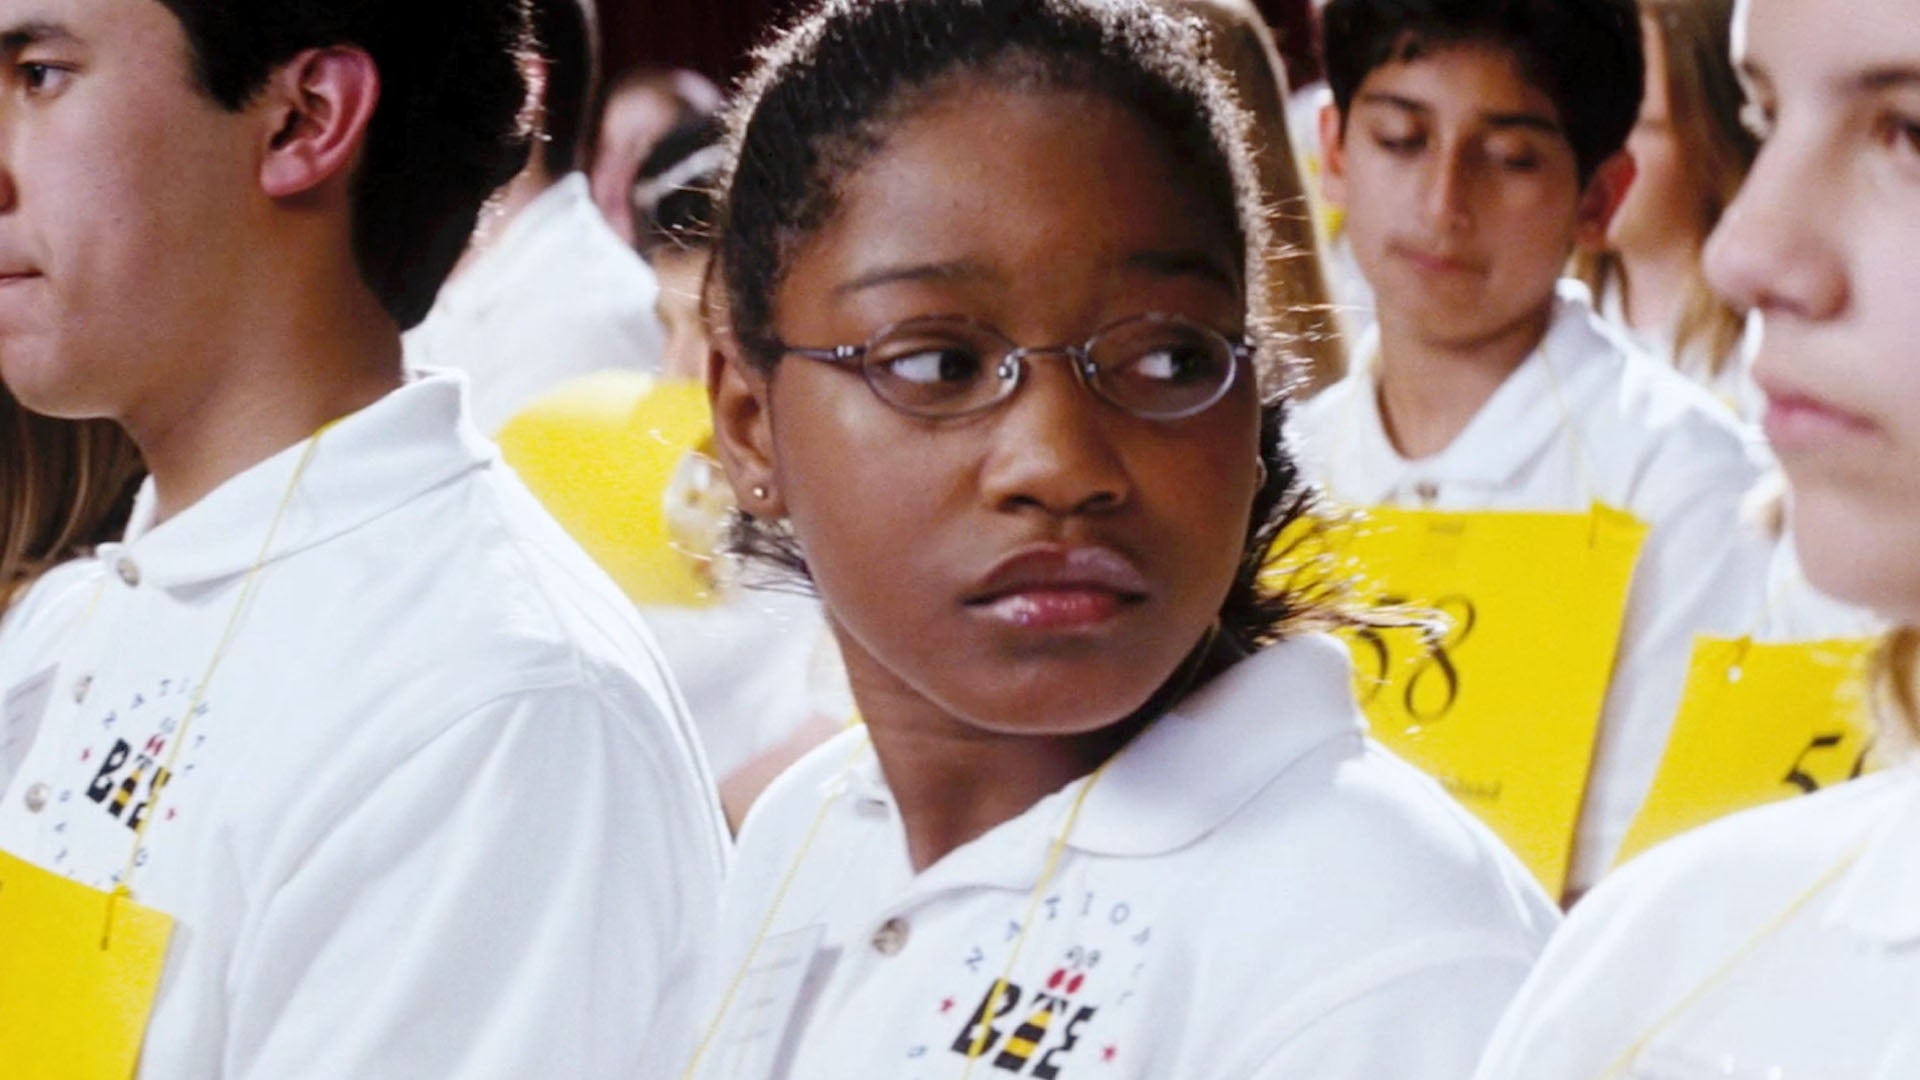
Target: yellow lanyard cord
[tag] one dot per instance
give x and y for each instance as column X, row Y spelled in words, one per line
column 1621, row 1064
column 979, row 1045
column 1054, row 853
column 247, row 590
column 773, row 910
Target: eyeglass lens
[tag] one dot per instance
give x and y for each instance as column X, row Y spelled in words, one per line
column 1152, row 367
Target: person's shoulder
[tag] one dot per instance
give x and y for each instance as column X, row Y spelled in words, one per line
column 1390, row 849
column 782, row 813
column 60, row 595
column 1753, row 860
column 1309, row 417
column 1654, row 930
column 1392, row 857
column 1642, row 405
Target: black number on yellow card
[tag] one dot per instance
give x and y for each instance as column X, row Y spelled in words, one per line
column 1798, row 774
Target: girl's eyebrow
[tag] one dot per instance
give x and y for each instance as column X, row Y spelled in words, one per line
column 1888, row 77
column 1185, row 262
column 955, row 270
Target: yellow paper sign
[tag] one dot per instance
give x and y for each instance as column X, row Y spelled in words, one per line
column 79, row 969
column 601, row 453
column 1759, row 722
column 1503, row 708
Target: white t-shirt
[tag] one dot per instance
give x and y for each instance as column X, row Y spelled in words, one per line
column 1778, row 944
column 439, row 815
column 557, row 295
column 1253, row 890
column 1586, row 418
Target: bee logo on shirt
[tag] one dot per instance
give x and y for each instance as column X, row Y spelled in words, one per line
column 122, row 773
column 1041, row 1028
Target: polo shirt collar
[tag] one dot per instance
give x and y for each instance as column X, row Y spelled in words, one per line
column 1519, row 422
column 1197, row 766
column 1183, row 777
column 1879, row 898
column 368, row 464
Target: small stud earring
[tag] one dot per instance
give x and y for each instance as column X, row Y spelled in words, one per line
column 760, row 492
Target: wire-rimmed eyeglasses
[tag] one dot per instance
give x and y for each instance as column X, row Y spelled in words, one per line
column 1154, row 366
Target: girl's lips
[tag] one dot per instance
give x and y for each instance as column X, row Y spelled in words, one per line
column 1798, row 421
column 1059, row 587
column 1058, row 608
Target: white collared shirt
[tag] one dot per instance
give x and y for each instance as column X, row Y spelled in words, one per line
column 1253, row 890
column 556, row 296
column 1586, row 418
column 1778, row 944
column 439, row 814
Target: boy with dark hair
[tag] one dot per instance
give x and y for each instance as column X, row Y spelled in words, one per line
column 1473, row 144
column 549, row 291
column 344, row 704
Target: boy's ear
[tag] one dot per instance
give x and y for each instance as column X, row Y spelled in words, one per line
column 743, row 427
column 318, row 107
column 1601, row 200
column 1333, row 154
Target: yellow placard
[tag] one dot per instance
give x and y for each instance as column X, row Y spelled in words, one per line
column 79, row 969
column 1504, row 705
column 1759, row 722
column 601, row 453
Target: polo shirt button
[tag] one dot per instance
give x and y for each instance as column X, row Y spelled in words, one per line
column 1426, row 491
column 81, row 686
column 37, row 796
column 891, row 937
column 129, row 571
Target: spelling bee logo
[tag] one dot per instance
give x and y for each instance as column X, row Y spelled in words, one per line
column 1046, row 1024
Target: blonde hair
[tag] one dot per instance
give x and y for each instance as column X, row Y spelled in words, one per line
column 64, row 486
column 1242, row 46
column 1705, row 97
column 1896, row 684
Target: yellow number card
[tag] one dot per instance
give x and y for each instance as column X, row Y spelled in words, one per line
column 1758, row 722
column 1503, row 708
column 79, row 969
column 601, row 453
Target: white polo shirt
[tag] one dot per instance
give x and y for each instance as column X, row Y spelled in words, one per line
column 1779, row 944
column 439, row 814
column 1253, row 890
column 1586, row 418
column 556, row 295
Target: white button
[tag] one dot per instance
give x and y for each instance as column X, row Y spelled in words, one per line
column 1426, row 491
column 80, row 687
column 891, row 937
column 37, row 796
column 128, row 570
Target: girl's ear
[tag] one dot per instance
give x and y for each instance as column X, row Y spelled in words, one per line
column 743, row 427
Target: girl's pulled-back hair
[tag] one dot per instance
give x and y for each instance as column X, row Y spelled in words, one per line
column 1704, row 96
column 64, row 486
column 823, row 98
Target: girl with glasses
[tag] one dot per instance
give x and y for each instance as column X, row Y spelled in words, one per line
column 993, row 378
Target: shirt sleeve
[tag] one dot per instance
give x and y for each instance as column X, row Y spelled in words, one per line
column 1430, row 1023
column 527, row 895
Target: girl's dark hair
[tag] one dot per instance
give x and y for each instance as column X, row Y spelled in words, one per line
column 825, row 94
column 449, row 128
